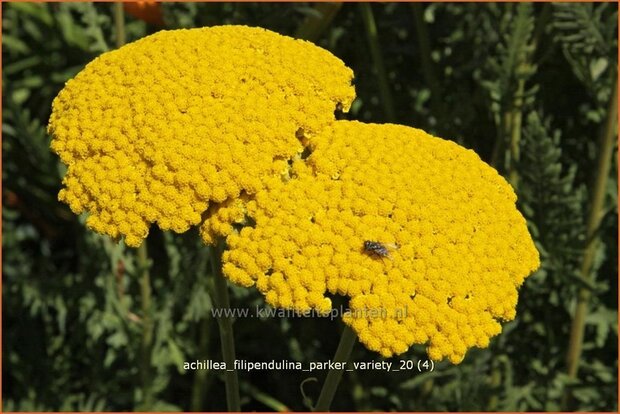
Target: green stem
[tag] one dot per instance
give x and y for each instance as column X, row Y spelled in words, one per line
column 426, row 61
column 499, row 149
column 147, row 328
column 119, row 23
column 343, row 353
column 226, row 329
column 377, row 58
column 607, row 141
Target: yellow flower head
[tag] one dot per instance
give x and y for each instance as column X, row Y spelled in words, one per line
column 162, row 128
column 201, row 126
column 460, row 249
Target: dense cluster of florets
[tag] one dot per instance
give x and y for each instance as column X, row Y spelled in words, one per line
column 460, row 251
column 207, row 127
column 162, row 128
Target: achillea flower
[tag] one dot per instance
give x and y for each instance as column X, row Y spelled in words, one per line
column 198, row 127
column 462, row 251
column 165, row 127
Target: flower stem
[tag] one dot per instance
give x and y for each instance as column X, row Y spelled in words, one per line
column 147, row 328
column 347, row 341
column 119, row 23
column 426, row 60
column 607, row 142
column 226, row 329
column 378, row 62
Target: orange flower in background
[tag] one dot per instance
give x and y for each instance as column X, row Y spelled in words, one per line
column 148, row 11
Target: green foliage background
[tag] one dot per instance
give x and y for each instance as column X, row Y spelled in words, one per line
column 527, row 86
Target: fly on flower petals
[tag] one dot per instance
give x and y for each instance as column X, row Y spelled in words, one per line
column 379, row 249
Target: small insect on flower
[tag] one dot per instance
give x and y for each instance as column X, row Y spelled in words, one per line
column 379, row 249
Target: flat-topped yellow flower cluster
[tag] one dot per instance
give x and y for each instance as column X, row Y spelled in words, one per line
column 463, row 248
column 206, row 127
column 162, row 128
